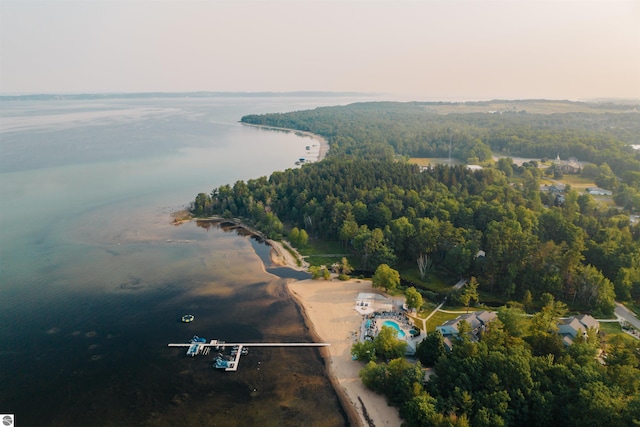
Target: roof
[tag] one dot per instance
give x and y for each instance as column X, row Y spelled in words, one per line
column 567, row 340
column 486, row 316
column 572, row 325
column 477, row 321
column 588, row 321
column 448, row 343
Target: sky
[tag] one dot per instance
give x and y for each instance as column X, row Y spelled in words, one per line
column 425, row 50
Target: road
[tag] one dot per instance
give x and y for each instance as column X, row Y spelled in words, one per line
column 625, row 314
column 460, row 284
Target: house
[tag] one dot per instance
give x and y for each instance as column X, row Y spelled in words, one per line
column 478, row 321
column 595, row 191
column 570, row 166
column 557, row 188
column 576, row 326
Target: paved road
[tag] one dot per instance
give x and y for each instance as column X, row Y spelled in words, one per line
column 627, row 315
column 460, row 284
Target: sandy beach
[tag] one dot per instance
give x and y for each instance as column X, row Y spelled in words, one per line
column 323, row 145
column 328, row 307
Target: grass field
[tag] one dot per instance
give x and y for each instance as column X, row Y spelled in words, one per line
column 433, row 281
column 426, row 161
column 610, row 328
column 320, row 252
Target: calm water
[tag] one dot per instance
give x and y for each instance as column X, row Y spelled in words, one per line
column 94, row 277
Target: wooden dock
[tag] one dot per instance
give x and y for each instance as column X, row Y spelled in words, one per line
column 231, row 364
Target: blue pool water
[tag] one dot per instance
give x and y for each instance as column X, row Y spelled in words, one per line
column 394, row 325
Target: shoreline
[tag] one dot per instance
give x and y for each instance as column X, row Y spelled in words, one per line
column 327, row 307
column 347, row 404
column 323, row 143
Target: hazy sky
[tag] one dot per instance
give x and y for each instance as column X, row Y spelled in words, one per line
column 436, row 49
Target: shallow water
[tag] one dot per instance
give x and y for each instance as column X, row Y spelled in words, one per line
column 94, row 277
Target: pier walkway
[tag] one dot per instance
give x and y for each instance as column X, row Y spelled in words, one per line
column 230, row 363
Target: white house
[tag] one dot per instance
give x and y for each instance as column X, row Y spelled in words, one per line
column 596, row 191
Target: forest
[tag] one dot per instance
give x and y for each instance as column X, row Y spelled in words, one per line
column 385, row 129
column 507, row 380
column 390, row 212
column 567, row 252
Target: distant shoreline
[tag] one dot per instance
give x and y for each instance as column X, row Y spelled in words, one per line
column 197, row 94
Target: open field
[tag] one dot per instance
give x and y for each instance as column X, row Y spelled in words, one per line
column 578, row 182
column 533, row 107
column 426, row 161
column 320, row 252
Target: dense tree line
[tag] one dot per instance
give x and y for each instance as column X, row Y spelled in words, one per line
column 384, row 129
column 514, row 376
column 389, row 212
column 518, row 374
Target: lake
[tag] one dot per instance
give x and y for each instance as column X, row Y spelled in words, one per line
column 94, row 277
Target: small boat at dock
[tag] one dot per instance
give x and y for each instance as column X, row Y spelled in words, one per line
column 229, row 362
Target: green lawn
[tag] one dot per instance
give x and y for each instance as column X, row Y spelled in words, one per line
column 438, row 319
column 578, row 182
column 433, row 281
column 610, row 328
column 320, row 252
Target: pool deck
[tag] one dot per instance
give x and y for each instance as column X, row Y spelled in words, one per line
column 373, row 323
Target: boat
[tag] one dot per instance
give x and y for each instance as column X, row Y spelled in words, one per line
column 224, row 362
column 196, row 346
column 188, row 318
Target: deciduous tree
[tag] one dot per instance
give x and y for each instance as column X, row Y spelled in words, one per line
column 414, row 298
column 385, row 277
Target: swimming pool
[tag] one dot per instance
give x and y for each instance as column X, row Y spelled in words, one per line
column 394, row 325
